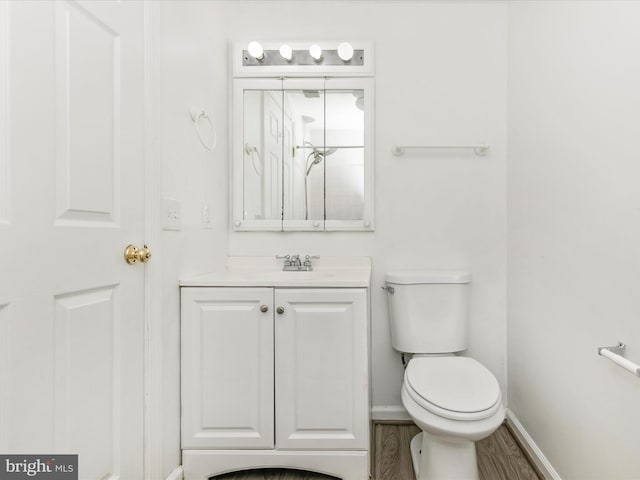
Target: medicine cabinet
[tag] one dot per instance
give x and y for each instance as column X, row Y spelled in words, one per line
column 302, row 154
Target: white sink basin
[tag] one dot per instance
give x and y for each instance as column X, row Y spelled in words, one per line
column 266, row 271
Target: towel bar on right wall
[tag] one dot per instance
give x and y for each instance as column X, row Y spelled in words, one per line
column 616, row 355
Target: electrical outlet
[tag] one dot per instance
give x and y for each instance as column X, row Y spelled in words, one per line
column 171, row 214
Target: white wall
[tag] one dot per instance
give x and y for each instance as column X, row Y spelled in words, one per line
column 430, row 211
column 574, row 231
column 190, row 70
column 573, row 196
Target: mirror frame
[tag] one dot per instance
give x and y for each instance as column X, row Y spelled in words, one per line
column 240, row 85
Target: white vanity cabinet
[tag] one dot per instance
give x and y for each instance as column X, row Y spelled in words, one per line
column 274, row 376
column 227, row 368
column 321, row 386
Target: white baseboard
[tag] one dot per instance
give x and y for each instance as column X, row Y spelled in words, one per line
column 389, row 413
column 176, row 474
column 532, row 449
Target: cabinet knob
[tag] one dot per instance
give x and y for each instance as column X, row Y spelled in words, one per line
column 280, row 310
column 264, row 308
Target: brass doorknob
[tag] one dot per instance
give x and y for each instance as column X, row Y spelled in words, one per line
column 133, row 254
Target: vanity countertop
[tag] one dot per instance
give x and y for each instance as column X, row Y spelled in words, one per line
column 267, row 272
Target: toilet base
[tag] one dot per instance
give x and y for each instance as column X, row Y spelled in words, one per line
column 415, row 447
column 437, row 458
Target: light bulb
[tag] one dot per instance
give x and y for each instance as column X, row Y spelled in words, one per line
column 316, row 52
column 256, row 51
column 286, row 52
column 345, row 51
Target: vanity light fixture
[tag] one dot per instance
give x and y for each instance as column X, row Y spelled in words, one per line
column 256, row 51
column 316, row 52
column 258, row 56
column 286, row 52
column 345, row 51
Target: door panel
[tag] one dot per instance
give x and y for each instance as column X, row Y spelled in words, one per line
column 227, row 368
column 321, row 369
column 87, row 60
column 87, row 377
column 72, row 94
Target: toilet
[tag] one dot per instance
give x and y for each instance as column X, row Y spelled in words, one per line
column 455, row 400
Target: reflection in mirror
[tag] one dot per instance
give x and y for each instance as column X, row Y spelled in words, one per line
column 344, row 168
column 326, row 180
column 303, row 174
column 300, row 161
column 263, row 152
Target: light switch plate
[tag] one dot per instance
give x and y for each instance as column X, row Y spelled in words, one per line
column 206, row 215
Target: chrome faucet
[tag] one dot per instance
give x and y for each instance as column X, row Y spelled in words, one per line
column 293, row 263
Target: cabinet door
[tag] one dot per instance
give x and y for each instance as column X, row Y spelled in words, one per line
column 322, row 381
column 227, row 368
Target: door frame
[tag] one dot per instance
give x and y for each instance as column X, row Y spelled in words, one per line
column 153, row 340
column 5, row 209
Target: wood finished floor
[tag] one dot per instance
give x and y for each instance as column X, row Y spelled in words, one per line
column 499, row 458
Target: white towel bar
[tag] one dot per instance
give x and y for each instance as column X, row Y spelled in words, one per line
column 616, row 355
column 479, row 150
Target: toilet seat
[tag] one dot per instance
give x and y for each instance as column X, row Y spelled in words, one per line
column 457, row 388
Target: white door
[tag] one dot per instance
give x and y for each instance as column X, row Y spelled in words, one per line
column 71, row 199
column 322, row 387
column 272, row 176
column 227, row 367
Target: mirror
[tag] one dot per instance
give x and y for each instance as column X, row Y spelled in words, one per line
column 302, row 154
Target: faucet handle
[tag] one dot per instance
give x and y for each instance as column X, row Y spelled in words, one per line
column 287, row 259
column 307, row 259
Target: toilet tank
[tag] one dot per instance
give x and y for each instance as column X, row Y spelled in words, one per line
column 428, row 310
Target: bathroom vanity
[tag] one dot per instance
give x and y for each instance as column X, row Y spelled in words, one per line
column 275, row 368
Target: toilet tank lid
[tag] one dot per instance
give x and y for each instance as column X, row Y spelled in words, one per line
column 409, row 277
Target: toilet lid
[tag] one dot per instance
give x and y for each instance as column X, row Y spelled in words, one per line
column 455, row 384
